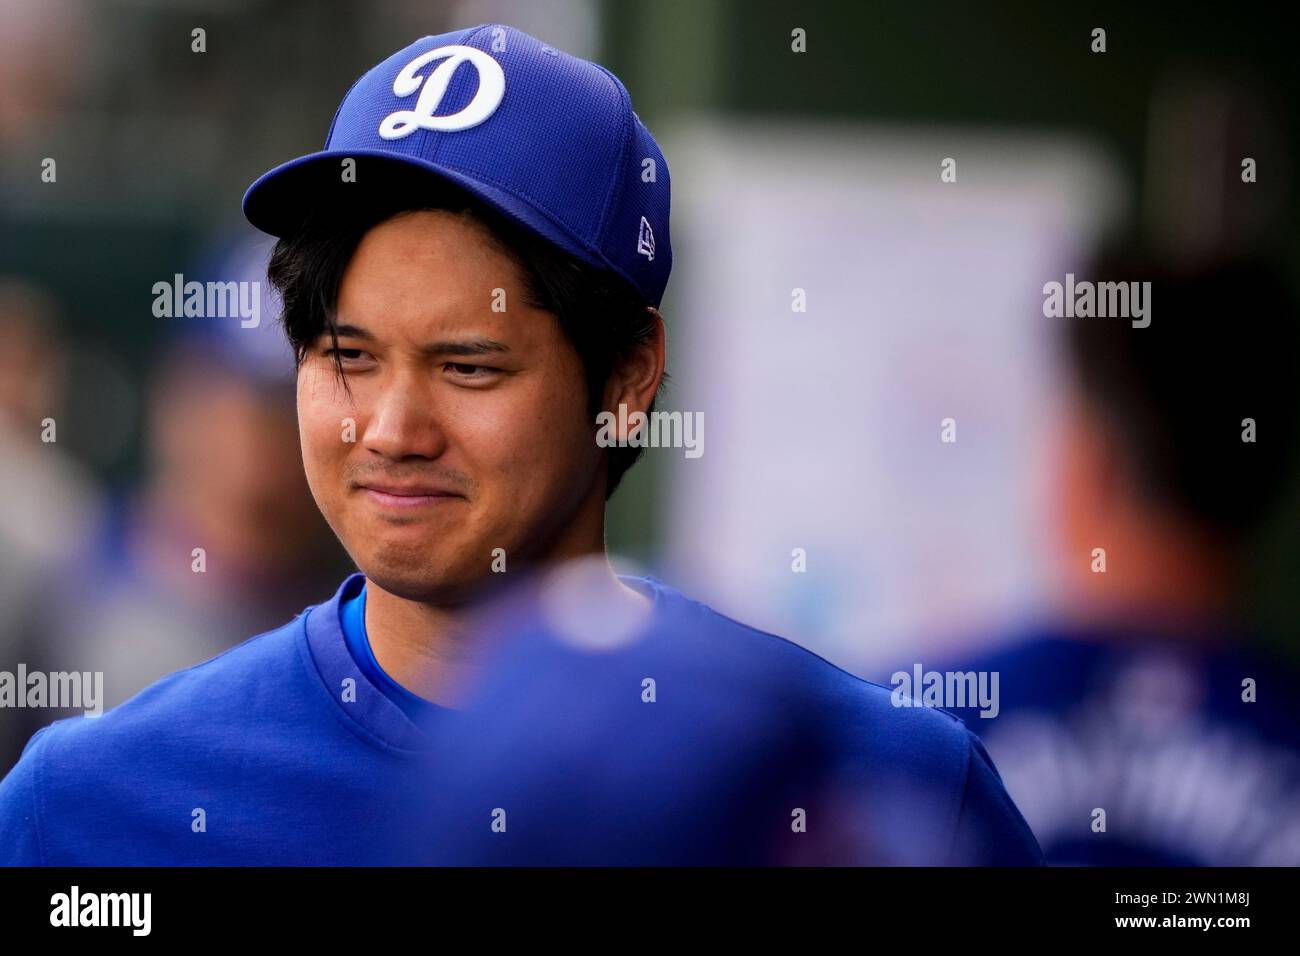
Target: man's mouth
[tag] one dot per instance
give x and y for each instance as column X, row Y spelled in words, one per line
column 408, row 496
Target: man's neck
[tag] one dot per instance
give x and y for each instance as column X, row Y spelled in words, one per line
column 1161, row 574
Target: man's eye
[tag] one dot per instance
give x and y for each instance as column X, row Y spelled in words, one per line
column 345, row 354
column 470, row 371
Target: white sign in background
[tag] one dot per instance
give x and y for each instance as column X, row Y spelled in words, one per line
column 924, row 302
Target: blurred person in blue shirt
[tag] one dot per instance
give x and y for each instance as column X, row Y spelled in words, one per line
column 49, row 499
column 132, row 599
column 1149, row 724
column 615, row 734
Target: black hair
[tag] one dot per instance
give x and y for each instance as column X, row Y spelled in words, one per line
column 601, row 314
column 1222, row 346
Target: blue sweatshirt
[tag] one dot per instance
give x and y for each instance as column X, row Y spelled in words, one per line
column 1158, row 728
column 286, row 751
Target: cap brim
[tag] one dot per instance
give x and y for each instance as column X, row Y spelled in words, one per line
column 281, row 200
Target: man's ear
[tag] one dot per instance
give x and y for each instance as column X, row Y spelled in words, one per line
column 634, row 381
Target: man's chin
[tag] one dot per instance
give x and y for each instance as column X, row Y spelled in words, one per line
column 414, row 582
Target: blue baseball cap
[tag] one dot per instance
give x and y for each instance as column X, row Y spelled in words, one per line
column 547, row 139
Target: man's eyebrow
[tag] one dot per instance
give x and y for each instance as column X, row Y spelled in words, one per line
column 479, row 346
column 465, row 347
column 353, row 332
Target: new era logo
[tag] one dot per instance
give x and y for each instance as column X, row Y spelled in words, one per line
column 645, row 241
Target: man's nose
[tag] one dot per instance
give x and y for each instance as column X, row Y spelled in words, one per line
column 403, row 422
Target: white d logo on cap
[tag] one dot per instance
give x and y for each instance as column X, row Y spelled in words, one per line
column 491, row 87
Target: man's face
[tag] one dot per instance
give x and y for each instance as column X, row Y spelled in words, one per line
column 471, row 426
